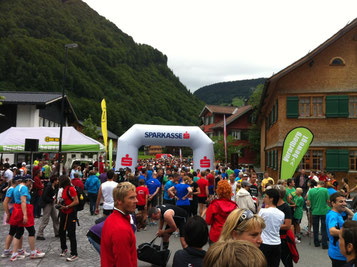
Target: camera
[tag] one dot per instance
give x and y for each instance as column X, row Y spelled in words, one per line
column 60, row 203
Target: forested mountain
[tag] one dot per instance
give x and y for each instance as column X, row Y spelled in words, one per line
column 225, row 92
column 133, row 78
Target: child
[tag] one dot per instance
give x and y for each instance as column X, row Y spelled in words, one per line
column 299, row 203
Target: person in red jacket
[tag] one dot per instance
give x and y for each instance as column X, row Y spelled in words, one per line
column 219, row 209
column 118, row 242
column 77, row 181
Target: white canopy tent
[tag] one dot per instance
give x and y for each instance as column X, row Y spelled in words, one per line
column 13, row 140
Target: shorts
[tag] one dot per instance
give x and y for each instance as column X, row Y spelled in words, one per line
column 210, row 189
column 202, row 200
column 180, row 223
column 107, row 212
column 140, row 207
column 296, row 221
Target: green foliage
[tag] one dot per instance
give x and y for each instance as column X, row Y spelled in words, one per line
column 238, row 102
column 90, row 129
column 219, row 147
column 220, row 93
column 134, row 78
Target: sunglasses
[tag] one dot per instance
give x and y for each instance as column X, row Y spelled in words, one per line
column 246, row 215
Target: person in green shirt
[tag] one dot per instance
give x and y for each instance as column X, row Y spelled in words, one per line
column 318, row 200
column 290, row 192
column 299, row 203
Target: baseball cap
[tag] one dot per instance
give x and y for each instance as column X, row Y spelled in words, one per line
column 246, row 183
column 245, row 175
column 23, row 164
column 28, row 177
column 17, row 177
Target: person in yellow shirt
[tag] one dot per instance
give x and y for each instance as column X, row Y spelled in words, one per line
column 265, row 181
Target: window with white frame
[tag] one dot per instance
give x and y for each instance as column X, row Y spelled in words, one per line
column 236, row 134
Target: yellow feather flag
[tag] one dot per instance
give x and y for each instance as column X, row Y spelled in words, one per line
column 104, row 124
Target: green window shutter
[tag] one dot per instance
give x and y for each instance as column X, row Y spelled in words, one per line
column 292, row 106
column 276, row 110
column 273, row 111
column 268, row 159
column 343, row 106
column 276, row 159
column 343, row 160
column 271, row 159
column 337, row 160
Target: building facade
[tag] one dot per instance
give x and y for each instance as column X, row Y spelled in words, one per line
column 319, row 92
column 238, row 122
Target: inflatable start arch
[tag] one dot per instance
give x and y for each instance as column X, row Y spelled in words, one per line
column 142, row 134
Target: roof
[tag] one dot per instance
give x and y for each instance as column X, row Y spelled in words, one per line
column 305, row 59
column 218, row 109
column 239, row 113
column 35, row 98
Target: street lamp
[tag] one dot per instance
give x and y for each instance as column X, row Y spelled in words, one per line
column 67, row 46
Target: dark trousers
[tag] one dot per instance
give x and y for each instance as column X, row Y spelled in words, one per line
column 193, row 208
column 272, row 254
column 68, row 224
column 36, row 207
column 337, row 263
column 286, row 257
column 315, row 227
column 186, row 208
column 171, row 201
column 92, row 202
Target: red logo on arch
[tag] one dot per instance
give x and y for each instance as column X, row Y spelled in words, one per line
column 126, row 161
column 186, row 135
column 205, row 162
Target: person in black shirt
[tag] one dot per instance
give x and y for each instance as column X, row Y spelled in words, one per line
column 286, row 256
column 196, row 236
column 174, row 218
column 193, row 197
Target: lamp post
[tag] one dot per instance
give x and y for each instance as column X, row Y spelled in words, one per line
column 67, row 46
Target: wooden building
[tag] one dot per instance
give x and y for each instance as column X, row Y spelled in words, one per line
column 238, row 121
column 319, row 92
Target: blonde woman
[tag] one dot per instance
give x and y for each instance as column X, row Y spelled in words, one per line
column 242, row 224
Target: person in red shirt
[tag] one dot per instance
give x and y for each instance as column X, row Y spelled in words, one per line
column 202, row 197
column 118, row 242
column 37, row 190
column 142, row 195
column 219, row 209
column 77, row 181
column 68, row 217
column 210, row 179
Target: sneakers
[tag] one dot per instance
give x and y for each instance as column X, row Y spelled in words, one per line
column 64, row 253
column 297, row 241
column 37, row 255
column 17, row 257
column 24, row 252
column 40, row 238
column 72, row 258
column 6, row 254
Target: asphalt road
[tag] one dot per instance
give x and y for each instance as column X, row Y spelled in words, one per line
column 309, row 255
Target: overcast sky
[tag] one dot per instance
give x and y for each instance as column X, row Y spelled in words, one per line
column 210, row 41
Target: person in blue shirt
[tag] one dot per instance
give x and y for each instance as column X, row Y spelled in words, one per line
column 167, row 199
column 143, row 174
column 8, row 206
column 334, row 223
column 153, row 185
column 92, row 185
column 183, row 191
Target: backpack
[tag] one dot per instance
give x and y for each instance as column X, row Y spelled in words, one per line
column 81, row 198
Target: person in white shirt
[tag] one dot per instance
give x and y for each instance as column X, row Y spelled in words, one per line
column 106, row 191
column 233, row 184
column 273, row 218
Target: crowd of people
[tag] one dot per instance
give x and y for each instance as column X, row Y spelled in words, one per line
column 245, row 220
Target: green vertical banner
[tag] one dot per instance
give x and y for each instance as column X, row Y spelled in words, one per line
column 295, row 146
column 110, row 153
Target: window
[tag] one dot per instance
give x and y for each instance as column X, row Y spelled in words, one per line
column 206, row 120
column 304, row 107
column 236, row 134
column 211, row 119
column 352, row 101
column 244, row 135
column 337, row 61
column 353, row 160
column 317, row 106
column 312, row 160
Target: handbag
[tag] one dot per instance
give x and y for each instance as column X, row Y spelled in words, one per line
column 154, row 254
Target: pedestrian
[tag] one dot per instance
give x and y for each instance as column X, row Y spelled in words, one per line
column 219, row 209
column 36, row 192
column 22, row 217
column 274, row 218
column 318, row 200
column 142, row 194
column 299, row 203
column 76, row 181
column 202, row 197
column 182, row 191
column 196, row 236
column 334, row 223
column 173, row 179
column 348, row 242
column 233, row 253
column 242, row 224
column 48, row 198
column 193, row 197
column 68, row 217
column 234, row 186
column 106, row 192
column 173, row 217
column 120, row 249
column 243, row 199
column 92, row 185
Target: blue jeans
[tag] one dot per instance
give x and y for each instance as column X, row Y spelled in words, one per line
column 92, row 202
column 315, row 227
column 94, row 244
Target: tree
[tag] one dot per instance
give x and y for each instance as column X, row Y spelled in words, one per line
column 219, row 147
column 90, row 129
column 254, row 130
